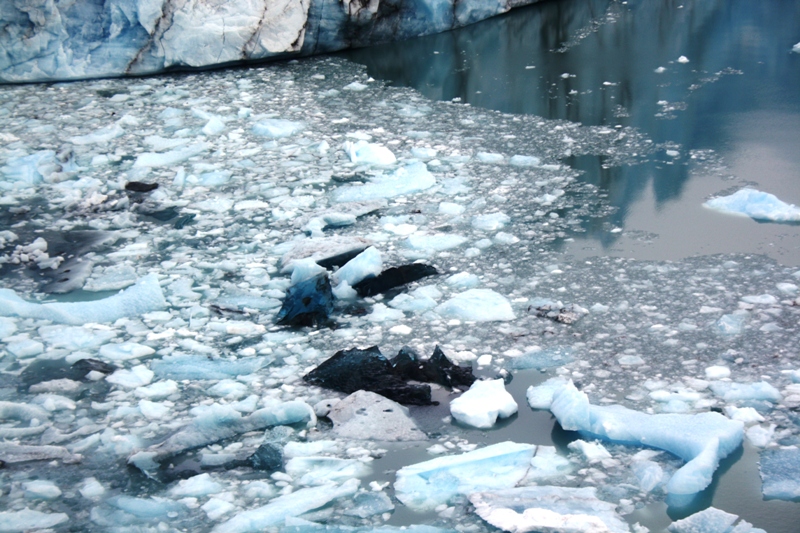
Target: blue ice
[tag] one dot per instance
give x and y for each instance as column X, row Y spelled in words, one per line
column 365, row 265
column 780, row 474
column 186, row 366
column 143, row 297
column 26, row 171
column 730, row 392
column 425, row 485
column 542, row 358
column 757, row 205
column 700, row 439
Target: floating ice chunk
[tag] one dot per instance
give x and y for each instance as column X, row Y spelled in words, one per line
column 524, row 161
column 648, row 473
column 712, row 520
column 504, row 238
column 755, row 204
column 26, row 519
column 278, row 510
column 219, row 422
column 423, row 153
column 548, row 509
column 483, row 404
column 487, row 157
column 153, row 410
column 276, row 128
column 451, row 209
column 160, row 143
column 171, row 158
column 760, row 436
column 40, row 489
column 732, row 324
column 183, row 366
column 425, row 485
column 372, row 154
column 355, row 87
column 538, row 358
column 747, row 415
column 593, row 452
column 368, row 504
column 214, row 126
column 214, row 205
column 717, row 372
column 547, row 464
column 701, row 439
column 91, row 488
column 366, row 264
column 780, row 473
column 731, row 392
column 324, row 470
column 436, row 242
column 200, row 485
column 463, row 280
column 125, row 350
column 541, row 396
column 416, row 301
column 381, row 313
column 490, row 222
column 229, row 389
column 479, row 305
column 24, row 348
column 405, row 180
column 113, row 278
column 305, row 269
column 796, row 48
column 141, row 298
column 7, row 327
column 103, row 135
column 54, row 402
column 683, row 59
column 368, row 416
column 133, row 378
column 216, row 508
column 28, row 171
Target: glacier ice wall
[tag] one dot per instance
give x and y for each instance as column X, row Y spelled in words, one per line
column 50, row 40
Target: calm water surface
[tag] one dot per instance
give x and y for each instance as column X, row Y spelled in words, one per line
column 714, row 81
column 732, row 112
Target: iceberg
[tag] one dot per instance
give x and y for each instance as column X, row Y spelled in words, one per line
column 701, row 439
column 425, row 485
column 548, row 509
column 756, row 205
column 143, row 297
column 483, row 404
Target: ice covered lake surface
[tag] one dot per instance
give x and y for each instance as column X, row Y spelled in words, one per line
column 146, row 411
column 713, row 81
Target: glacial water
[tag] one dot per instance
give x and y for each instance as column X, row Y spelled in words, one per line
column 544, row 209
column 733, row 106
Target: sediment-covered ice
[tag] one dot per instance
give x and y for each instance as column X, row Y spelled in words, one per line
column 755, row 204
column 483, row 404
column 702, row 439
column 424, row 486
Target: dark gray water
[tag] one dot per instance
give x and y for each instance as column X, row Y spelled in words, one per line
column 732, row 112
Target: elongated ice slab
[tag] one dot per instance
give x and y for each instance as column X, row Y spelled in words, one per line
column 425, row 485
column 757, row 205
column 27, row 519
column 143, row 297
column 701, row 439
column 548, row 509
column 294, row 504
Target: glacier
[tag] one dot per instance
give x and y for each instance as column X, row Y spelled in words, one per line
column 66, row 41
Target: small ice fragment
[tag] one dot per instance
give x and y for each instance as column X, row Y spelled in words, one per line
column 660, row 70
column 200, row 485
column 355, row 87
column 405, row 180
column 125, row 350
column 480, row 305
column 760, row 436
column 755, row 204
column 26, row 519
column 372, row 154
column 796, row 48
column 683, row 59
column 133, row 378
column 277, row 128
column 450, row 208
column 594, row 452
column 524, row 161
column 40, row 489
column 91, row 488
column 483, row 404
column 490, row 222
column 717, row 372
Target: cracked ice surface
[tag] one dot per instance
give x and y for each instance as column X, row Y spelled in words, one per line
column 185, row 386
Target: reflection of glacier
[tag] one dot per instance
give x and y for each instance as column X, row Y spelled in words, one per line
column 595, row 62
column 68, row 40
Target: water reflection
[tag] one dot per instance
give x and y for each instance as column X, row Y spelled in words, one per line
column 604, row 62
